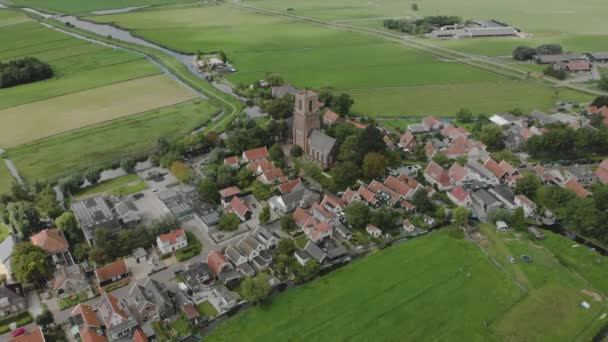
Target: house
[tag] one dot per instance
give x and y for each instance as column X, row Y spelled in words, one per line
column 255, row 154
column 367, row 196
column 529, row 207
column 286, row 89
column 69, row 280
column 543, row 119
column 573, row 65
column 459, row 196
column 227, row 194
column 504, row 194
column 552, row 59
column 235, row 256
column 289, row 186
column 86, row 324
column 233, row 162
column 299, row 197
column 226, row 298
column 197, row 277
column 437, row 176
column 128, row 213
column 428, row 220
column 94, row 213
column 343, row 232
column 417, row 129
column 407, row 141
column 330, row 117
column 238, row 207
column 503, row 119
column 6, row 251
column 114, row 314
column 498, row 171
column 480, row 173
column 373, row 230
column 111, row 273
column 333, row 204
column 432, row 123
column 485, row 200
column 451, row 132
column 34, row 335
column 577, row 188
column 403, row 185
column 250, row 247
column 582, row 174
column 459, row 175
column 12, row 300
column 172, row 241
column 408, row 227
column 272, row 175
column 222, row 268
column 140, row 255
column 54, row 244
column 599, row 57
column 315, row 230
column 311, row 251
column 149, row 300
column 536, row 233
column 382, row 192
column 602, row 172
column 139, row 336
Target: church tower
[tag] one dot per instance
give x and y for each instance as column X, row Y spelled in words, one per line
column 305, row 118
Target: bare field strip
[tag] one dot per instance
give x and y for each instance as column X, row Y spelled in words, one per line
column 33, row 121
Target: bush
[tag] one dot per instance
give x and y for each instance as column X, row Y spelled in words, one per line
column 22, row 317
column 555, row 73
column 22, row 71
column 523, row 53
column 193, row 249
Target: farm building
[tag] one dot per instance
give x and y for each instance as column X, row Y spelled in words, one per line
column 552, row 59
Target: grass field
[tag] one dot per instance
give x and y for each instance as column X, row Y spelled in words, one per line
column 8, row 17
column 92, row 84
column 373, row 70
column 121, row 186
column 78, row 6
column 100, row 145
column 3, row 232
column 5, row 178
column 401, row 293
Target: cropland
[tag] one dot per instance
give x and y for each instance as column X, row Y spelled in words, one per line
column 92, row 84
column 310, row 55
column 423, row 290
column 79, row 6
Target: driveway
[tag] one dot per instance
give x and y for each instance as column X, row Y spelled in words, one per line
column 33, row 303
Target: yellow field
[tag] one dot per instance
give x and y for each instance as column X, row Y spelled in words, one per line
column 36, row 120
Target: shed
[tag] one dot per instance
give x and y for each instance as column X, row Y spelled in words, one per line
column 536, row 233
column 501, row 226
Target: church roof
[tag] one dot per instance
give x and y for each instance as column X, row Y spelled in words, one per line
column 321, row 142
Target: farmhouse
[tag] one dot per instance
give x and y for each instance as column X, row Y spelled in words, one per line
column 114, row 314
column 54, row 244
column 111, row 273
column 148, row 300
column 172, row 241
column 552, row 59
column 373, row 230
column 599, row 57
column 573, row 65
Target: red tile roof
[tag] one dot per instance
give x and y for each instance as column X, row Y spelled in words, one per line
column 378, row 188
column 454, row 132
column 349, row 195
column 525, row 200
column 457, row 172
column 493, row 167
column 139, row 336
column 429, row 121
column 367, row 195
column 579, row 65
column 112, row 270
column 398, row 186
column 331, row 117
column 231, row 161
column 372, row 228
column 90, row 335
column 216, row 261
column 255, row 154
column 321, row 211
column 509, row 169
column 388, row 141
column 230, row 191
column 333, row 202
column 437, row 173
column 190, row 311
column 34, row 335
column 51, row 240
column 459, row 193
column 115, row 308
column 407, row 140
column 171, row 237
column 238, row 206
column 288, row 186
column 88, row 315
column 300, row 216
column 602, row 172
column 577, row 188
column 407, row 205
column 273, row 174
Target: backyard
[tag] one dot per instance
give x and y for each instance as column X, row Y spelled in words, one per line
column 121, row 186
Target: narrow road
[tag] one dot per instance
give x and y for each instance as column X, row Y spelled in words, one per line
column 11, row 167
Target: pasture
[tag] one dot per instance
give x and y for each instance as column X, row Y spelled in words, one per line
column 92, row 84
column 9, row 17
column 104, row 144
column 421, row 290
column 5, row 178
column 315, row 56
column 79, row 6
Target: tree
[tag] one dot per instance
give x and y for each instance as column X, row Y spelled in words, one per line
column 357, row 215
column 518, row 219
column 274, row 80
column 554, row 197
column 280, row 108
column 581, row 214
column 30, row 264
column 71, row 183
column 222, row 56
column 296, row 151
column 349, row 150
column 527, row 185
column 523, row 53
column 229, row 222
column 81, row 251
column 342, row 103
column 24, row 70
column 600, row 101
column 422, row 201
column 208, row 191
column 414, row 7
column 554, row 72
column 491, row 135
column 371, row 139
column 46, row 203
column 374, row 165
column 23, row 217
column 265, row 215
column 345, row 174
column 603, row 83
column 256, row 288
column 92, row 176
column 68, row 224
column 442, row 160
column 549, row 49
column 276, row 154
column 244, row 177
column 464, row 115
column 44, row 319
column 127, row 165
column 287, row 223
column 181, row 171
column 461, row 216
column 306, row 272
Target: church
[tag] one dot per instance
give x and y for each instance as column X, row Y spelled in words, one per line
column 318, row 146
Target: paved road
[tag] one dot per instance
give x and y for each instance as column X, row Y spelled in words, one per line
column 11, row 167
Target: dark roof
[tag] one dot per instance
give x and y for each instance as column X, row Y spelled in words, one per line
column 92, row 211
column 196, row 274
column 321, row 142
column 314, row 251
column 485, row 196
column 505, row 193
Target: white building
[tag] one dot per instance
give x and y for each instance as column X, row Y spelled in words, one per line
column 172, row 241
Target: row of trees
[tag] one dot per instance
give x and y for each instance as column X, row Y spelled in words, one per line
column 22, row 71
column 420, row 26
column 525, row 53
column 564, row 142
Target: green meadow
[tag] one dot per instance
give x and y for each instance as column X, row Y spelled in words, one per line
column 383, row 76
column 5, row 178
column 436, row 288
column 9, row 17
column 80, row 6
column 101, row 145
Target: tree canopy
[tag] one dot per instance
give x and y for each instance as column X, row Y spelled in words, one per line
column 29, row 263
column 22, row 71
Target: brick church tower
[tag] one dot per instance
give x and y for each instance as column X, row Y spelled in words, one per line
column 305, row 118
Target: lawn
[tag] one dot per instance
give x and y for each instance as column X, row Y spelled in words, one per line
column 121, row 186
column 5, row 178
column 381, row 75
column 206, row 309
column 101, row 145
column 72, row 300
column 181, row 326
column 431, row 288
column 9, row 17
column 3, row 232
column 78, row 6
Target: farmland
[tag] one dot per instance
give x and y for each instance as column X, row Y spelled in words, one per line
column 316, row 56
column 101, row 145
column 5, row 178
column 79, row 6
column 8, row 17
column 92, row 84
column 410, row 286
column 121, row 186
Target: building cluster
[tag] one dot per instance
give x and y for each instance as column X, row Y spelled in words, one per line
column 573, row 62
column 474, row 29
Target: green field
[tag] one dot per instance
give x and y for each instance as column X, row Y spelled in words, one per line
column 373, row 70
column 3, row 232
column 100, row 145
column 5, row 178
column 435, row 288
column 92, row 84
column 121, row 186
column 8, row 17
column 79, row 6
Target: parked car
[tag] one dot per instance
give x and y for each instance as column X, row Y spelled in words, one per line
column 511, row 259
column 18, row 332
